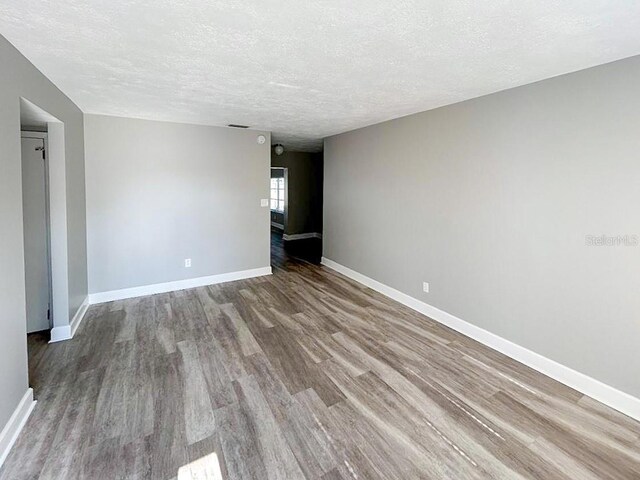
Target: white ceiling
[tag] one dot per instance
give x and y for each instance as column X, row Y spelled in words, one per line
column 308, row 69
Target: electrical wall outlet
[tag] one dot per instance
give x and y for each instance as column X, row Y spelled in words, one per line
column 264, row 202
column 425, row 287
column 187, row 263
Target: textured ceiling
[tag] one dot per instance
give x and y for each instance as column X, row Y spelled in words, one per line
column 306, row 70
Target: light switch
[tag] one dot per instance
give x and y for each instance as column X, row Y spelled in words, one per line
column 264, row 202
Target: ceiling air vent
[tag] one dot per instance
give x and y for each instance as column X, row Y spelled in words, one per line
column 233, row 125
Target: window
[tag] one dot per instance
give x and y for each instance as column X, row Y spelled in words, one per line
column 277, row 194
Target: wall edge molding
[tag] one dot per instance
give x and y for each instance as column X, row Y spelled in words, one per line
column 606, row 394
column 16, row 423
column 79, row 316
column 301, row 236
column 109, row 296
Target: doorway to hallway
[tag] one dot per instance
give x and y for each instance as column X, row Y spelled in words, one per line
column 296, row 206
column 37, row 252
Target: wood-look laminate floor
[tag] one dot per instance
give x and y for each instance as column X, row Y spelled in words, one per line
column 301, row 375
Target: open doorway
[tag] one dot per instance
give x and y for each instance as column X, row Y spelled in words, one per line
column 37, row 237
column 278, row 200
column 296, row 206
column 278, row 205
column 44, row 202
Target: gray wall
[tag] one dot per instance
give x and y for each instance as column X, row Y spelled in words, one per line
column 304, row 207
column 490, row 201
column 19, row 78
column 159, row 192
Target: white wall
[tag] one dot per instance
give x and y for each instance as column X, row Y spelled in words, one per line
column 159, row 192
column 19, row 78
column 490, row 201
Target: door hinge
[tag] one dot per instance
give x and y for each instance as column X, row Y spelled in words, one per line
column 41, row 149
column 48, row 314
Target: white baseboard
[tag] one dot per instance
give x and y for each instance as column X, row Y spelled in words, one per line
column 177, row 285
column 14, row 426
column 621, row 401
column 61, row 333
column 66, row 332
column 301, row 236
column 277, row 225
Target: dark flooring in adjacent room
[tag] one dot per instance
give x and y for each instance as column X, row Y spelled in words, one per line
column 283, row 251
column 302, row 374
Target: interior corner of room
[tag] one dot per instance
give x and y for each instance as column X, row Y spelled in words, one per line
column 364, row 273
